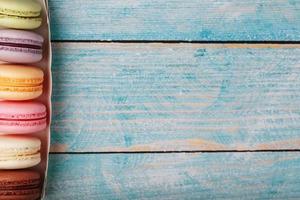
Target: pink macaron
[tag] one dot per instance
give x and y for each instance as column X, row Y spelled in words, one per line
column 22, row 117
column 18, row 46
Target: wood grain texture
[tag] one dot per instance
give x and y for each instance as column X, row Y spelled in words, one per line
column 175, row 97
column 231, row 176
column 216, row 20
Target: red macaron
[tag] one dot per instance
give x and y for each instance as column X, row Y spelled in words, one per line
column 20, row 185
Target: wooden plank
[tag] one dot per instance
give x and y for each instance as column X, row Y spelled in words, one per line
column 217, row 20
column 175, row 176
column 174, row 97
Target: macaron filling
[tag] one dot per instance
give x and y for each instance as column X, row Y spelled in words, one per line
column 7, row 153
column 21, row 15
column 20, row 45
column 23, row 116
column 20, row 157
column 41, row 123
column 17, row 22
column 21, row 85
column 21, row 154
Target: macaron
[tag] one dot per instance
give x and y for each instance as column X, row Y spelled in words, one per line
column 18, row 82
column 20, row 14
column 18, row 152
column 22, row 117
column 20, row 185
column 20, row 46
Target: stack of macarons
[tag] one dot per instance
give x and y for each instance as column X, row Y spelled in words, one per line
column 22, row 116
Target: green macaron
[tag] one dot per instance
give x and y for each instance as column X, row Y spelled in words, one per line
column 20, row 14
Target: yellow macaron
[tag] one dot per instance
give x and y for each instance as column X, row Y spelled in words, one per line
column 20, row 82
column 20, row 14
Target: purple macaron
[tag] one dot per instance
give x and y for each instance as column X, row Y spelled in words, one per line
column 20, row 46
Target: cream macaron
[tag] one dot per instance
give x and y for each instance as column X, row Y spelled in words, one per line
column 18, row 152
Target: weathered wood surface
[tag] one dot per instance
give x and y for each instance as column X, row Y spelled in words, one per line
column 175, row 20
column 174, row 97
column 231, row 176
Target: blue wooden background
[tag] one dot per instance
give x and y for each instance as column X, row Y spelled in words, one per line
column 173, row 99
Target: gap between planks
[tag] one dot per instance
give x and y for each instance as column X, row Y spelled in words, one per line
column 210, row 44
column 177, row 152
column 179, row 41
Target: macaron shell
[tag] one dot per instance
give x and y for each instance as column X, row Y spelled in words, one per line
column 12, row 144
column 22, row 72
column 22, row 127
column 19, row 55
column 10, row 180
column 32, row 194
column 20, row 162
column 31, row 37
column 18, row 145
column 22, row 110
column 25, row 8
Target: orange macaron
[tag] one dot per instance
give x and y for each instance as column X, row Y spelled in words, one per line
column 20, row 82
